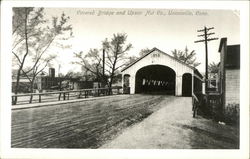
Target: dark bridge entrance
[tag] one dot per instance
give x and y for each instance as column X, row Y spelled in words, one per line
column 155, row 79
column 187, row 85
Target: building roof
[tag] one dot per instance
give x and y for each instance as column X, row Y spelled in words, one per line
column 61, row 78
column 198, row 73
column 152, row 50
column 233, row 56
column 222, row 41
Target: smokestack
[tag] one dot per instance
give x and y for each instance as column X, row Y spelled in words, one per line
column 51, row 72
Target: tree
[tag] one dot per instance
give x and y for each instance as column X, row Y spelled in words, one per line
column 186, row 56
column 116, row 50
column 144, row 52
column 91, row 64
column 20, row 29
column 71, row 74
column 32, row 37
column 131, row 59
column 116, row 57
column 213, row 68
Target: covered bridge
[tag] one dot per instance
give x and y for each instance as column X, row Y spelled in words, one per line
column 159, row 73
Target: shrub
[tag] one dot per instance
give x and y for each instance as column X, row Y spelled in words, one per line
column 232, row 112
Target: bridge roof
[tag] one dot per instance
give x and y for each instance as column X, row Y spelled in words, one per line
column 152, row 50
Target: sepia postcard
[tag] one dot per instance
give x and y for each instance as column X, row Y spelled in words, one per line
column 124, row 79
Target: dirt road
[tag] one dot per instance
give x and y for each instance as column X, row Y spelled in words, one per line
column 85, row 124
column 172, row 127
column 124, row 121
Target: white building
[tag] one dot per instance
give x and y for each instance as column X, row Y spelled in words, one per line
column 158, row 72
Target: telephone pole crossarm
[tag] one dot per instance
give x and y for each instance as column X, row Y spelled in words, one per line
column 199, row 41
column 200, row 30
column 210, row 33
column 201, row 35
column 212, row 39
column 210, row 28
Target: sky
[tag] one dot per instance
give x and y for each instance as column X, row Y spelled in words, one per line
column 166, row 29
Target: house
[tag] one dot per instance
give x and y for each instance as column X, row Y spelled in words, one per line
column 229, row 79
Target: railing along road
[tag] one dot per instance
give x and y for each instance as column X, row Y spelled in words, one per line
column 63, row 95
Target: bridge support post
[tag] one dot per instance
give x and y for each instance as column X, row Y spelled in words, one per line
column 178, row 85
column 132, row 84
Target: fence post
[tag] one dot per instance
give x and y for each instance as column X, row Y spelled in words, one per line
column 68, row 95
column 64, row 96
column 31, row 98
column 80, row 93
column 40, row 98
column 13, row 100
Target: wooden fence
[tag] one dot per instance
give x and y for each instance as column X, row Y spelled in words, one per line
column 64, row 95
column 209, row 105
column 215, row 106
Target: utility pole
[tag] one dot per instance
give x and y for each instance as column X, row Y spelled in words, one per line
column 206, row 39
column 103, row 67
column 103, row 62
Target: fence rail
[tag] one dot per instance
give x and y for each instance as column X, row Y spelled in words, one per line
column 63, row 95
